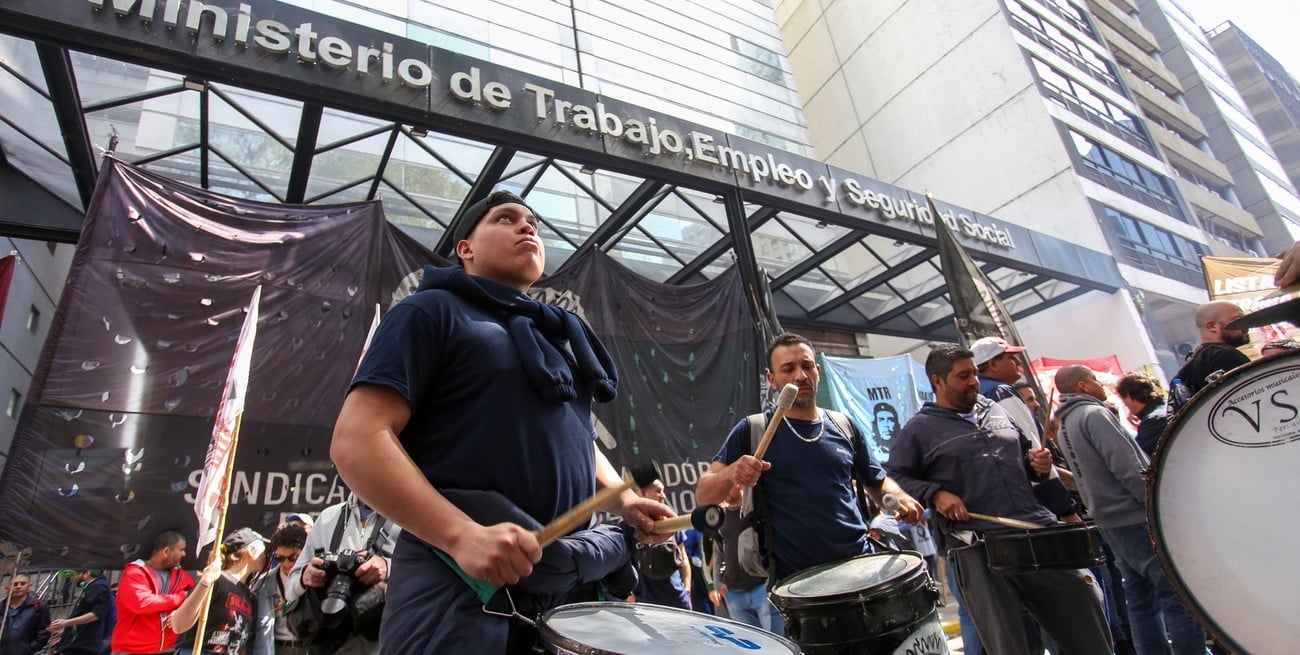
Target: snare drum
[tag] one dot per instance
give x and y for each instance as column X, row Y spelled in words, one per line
column 641, row 629
column 1067, row 546
column 1219, row 506
column 869, row 605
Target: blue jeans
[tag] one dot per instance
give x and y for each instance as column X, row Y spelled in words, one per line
column 970, row 639
column 1153, row 608
column 752, row 607
column 1112, row 584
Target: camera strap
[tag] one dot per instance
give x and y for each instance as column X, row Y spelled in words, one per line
column 377, row 536
column 339, row 525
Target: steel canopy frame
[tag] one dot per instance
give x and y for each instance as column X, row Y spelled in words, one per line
column 622, row 219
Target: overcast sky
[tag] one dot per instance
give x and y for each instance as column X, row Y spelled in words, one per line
column 1274, row 24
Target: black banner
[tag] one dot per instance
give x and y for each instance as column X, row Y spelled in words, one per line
column 685, row 359
column 110, row 444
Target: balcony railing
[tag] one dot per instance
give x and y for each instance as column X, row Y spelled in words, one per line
column 1142, row 256
column 1073, row 19
column 1122, row 185
column 1095, row 117
column 1103, row 76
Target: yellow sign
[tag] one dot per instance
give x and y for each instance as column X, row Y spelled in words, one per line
column 1248, row 282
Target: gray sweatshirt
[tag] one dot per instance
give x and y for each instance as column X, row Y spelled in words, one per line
column 1107, row 462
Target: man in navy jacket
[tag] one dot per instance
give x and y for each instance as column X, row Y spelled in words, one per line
column 959, row 455
column 25, row 627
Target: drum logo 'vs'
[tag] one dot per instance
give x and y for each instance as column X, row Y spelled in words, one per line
column 1259, row 412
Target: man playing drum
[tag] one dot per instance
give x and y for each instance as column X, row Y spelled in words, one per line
column 960, row 459
column 1219, row 343
column 465, row 423
column 807, row 473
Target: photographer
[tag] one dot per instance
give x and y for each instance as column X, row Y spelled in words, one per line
column 346, row 556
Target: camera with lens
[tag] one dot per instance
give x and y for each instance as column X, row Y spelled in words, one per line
column 341, row 569
column 346, row 601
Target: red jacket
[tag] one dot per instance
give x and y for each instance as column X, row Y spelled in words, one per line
column 142, row 607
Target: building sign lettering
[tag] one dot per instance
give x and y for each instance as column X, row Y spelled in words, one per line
column 413, row 69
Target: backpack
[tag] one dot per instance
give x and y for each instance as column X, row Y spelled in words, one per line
column 753, row 544
column 659, row 561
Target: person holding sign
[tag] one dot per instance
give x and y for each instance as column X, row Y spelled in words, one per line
column 1288, row 269
column 1218, row 351
column 224, row 587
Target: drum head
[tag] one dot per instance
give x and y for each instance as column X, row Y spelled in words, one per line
column 878, row 571
column 640, row 629
column 1226, row 470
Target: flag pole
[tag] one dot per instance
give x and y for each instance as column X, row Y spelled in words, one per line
column 221, row 529
column 213, row 494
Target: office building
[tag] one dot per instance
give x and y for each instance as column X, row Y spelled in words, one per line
column 1029, row 143
column 1056, row 115
column 1260, row 184
column 1269, row 91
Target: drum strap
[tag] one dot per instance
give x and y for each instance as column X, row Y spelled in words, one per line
column 758, row 422
column 755, row 501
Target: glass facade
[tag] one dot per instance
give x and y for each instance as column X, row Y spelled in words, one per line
column 720, row 64
column 1260, row 181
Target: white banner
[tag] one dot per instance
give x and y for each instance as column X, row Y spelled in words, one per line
column 213, row 486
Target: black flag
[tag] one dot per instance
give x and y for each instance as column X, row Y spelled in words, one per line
column 976, row 307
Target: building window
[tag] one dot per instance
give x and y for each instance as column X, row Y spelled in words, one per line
column 1052, row 37
column 1121, row 174
column 1071, row 14
column 1097, row 110
column 15, row 403
column 758, row 60
column 1231, row 237
column 33, row 319
column 1137, row 236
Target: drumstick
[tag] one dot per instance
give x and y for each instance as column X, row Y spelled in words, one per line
column 1010, row 523
column 890, row 503
column 783, row 402
column 707, row 519
column 580, row 513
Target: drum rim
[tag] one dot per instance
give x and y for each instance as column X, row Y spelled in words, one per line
column 1154, row 524
column 1087, row 525
column 554, row 638
column 889, row 585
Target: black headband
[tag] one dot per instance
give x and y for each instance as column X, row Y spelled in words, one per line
column 475, row 213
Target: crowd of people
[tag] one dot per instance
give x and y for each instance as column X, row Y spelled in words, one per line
column 424, row 440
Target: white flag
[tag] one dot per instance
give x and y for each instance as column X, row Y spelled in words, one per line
column 213, row 485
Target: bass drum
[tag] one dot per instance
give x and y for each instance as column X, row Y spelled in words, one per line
column 1227, row 470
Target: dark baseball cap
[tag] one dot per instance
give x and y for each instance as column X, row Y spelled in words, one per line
column 241, row 538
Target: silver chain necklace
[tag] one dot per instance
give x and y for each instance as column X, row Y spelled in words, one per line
column 821, row 429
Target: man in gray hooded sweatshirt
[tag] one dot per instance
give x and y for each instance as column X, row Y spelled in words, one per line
column 1108, row 466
